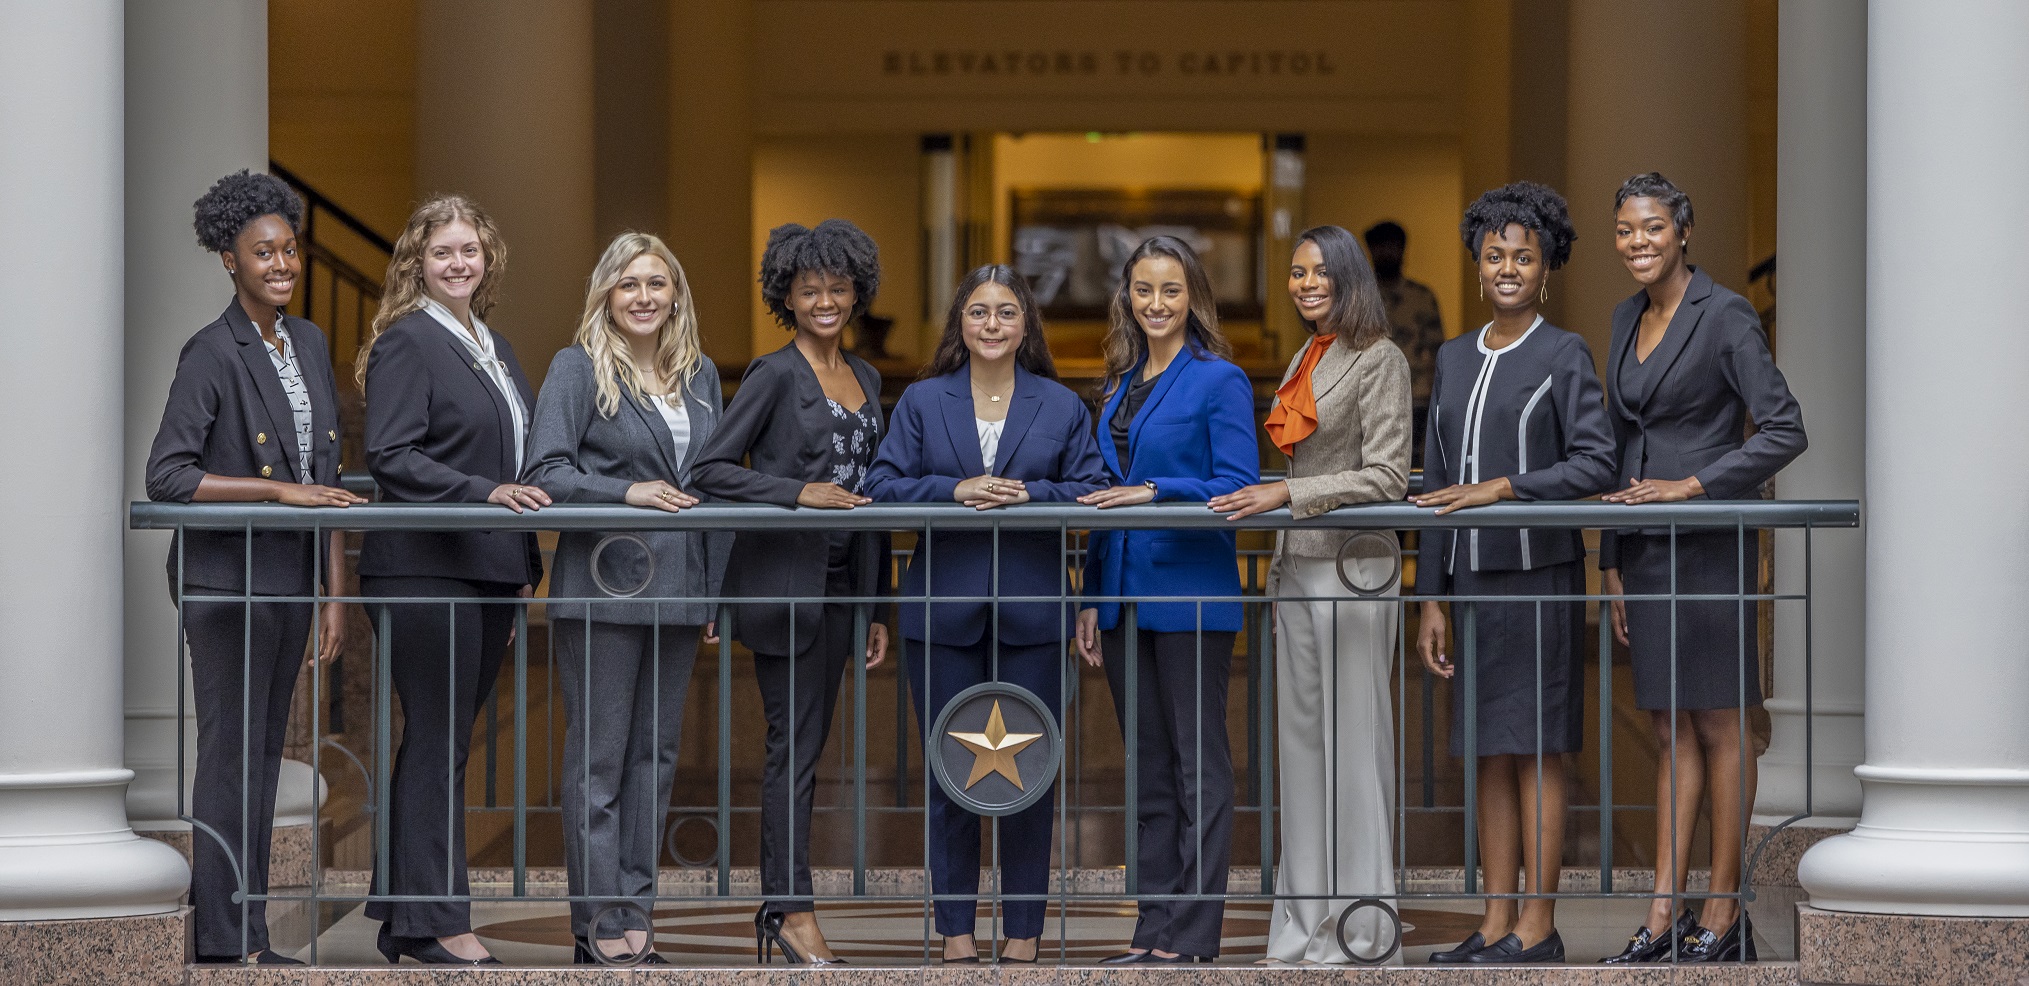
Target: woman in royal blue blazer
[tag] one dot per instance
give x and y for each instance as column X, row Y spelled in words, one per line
column 987, row 426
column 1179, row 425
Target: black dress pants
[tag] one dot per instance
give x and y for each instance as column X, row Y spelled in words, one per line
column 798, row 695
column 1184, row 789
column 444, row 658
column 243, row 663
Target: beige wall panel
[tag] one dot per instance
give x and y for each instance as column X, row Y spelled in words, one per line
column 341, row 103
column 710, row 171
column 1358, row 181
column 1112, row 65
column 868, row 179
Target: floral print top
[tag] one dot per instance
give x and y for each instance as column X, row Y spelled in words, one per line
column 853, row 437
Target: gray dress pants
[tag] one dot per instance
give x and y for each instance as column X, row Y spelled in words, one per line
column 624, row 687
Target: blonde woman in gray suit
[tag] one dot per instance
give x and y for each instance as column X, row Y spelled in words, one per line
column 622, row 415
column 1342, row 417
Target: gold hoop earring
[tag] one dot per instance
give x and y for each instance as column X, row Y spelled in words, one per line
column 1543, row 296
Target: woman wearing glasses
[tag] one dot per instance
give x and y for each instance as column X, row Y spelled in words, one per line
column 988, row 426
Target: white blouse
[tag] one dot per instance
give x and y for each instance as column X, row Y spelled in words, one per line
column 487, row 359
column 677, row 418
column 989, row 440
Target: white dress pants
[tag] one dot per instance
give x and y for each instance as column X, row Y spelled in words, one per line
column 1336, row 749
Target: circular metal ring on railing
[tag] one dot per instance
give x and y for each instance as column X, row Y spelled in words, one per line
column 631, row 958
column 600, row 549
column 1394, row 553
column 669, row 842
column 1394, row 942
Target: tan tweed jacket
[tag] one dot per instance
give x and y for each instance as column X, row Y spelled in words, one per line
column 1360, row 451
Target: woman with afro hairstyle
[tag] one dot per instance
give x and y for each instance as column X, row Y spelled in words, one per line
column 252, row 416
column 1687, row 368
column 801, row 432
column 1515, row 414
column 447, row 411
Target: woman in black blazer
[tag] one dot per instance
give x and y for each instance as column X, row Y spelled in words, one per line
column 447, row 412
column 801, row 431
column 252, row 416
column 621, row 417
column 988, row 426
column 1688, row 367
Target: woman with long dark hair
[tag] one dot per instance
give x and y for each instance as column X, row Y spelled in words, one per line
column 1341, row 414
column 1516, row 414
column 447, row 410
column 1179, row 426
column 1688, row 368
column 801, row 432
column 252, row 417
column 988, row 426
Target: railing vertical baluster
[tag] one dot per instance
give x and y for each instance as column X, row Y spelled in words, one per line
column 725, row 750
column 520, row 751
column 1605, row 746
column 1130, row 641
column 383, row 743
column 1468, row 712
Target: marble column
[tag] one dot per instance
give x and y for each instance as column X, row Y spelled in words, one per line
column 1944, row 823
column 66, row 850
column 504, row 110
column 197, row 108
column 943, row 240
column 1821, row 195
column 1653, row 85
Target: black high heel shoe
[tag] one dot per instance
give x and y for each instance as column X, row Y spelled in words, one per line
column 1647, row 946
column 425, row 950
column 768, row 937
column 1736, row 945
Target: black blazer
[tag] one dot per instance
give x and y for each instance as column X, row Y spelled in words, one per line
column 779, row 425
column 439, row 431
column 228, row 415
column 1708, row 377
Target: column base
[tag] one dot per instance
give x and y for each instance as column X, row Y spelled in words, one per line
column 1837, row 948
column 289, row 860
column 1778, row 864
column 136, row 951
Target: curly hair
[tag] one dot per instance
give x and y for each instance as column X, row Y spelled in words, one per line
column 402, row 288
column 238, row 199
column 1533, row 207
column 835, row 247
column 1652, row 185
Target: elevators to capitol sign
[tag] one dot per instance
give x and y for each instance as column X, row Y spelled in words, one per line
column 1117, row 62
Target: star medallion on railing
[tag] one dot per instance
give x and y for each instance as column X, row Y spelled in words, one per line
column 993, row 751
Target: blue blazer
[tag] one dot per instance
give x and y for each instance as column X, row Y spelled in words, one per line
column 932, row 446
column 1194, row 437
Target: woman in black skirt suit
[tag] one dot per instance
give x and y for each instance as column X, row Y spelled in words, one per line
column 801, row 432
column 1515, row 414
column 252, row 416
column 1687, row 370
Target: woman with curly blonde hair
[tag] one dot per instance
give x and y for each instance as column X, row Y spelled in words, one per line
column 623, row 413
column 446, row 421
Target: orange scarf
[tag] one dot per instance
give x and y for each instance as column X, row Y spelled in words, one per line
column 1294, row 415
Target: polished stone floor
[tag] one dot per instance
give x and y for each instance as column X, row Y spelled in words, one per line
column 891, row 929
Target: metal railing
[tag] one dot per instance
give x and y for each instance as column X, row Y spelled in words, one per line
column 1078, row 794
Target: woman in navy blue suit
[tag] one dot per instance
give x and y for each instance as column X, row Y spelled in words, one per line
column 987, row 426
column 1179, row 420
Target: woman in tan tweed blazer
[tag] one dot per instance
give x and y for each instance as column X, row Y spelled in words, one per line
column 1345, row 426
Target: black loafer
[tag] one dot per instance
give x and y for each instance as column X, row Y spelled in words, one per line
column 1509, row 951
column 1125, row 958
column 1450, row 956
column 1647, row 946
column 1736, row 945
column 1150, row 958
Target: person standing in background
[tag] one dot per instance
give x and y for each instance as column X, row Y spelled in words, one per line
column 1414, row 324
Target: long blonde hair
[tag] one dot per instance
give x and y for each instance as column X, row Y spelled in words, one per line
column 402, row 290
column 1126, row 343
column 677, row 353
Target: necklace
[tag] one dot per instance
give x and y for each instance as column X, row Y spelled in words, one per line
column 995, row 398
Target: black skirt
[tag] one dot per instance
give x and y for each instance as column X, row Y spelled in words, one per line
column 1716, row 659
column 1528, row 657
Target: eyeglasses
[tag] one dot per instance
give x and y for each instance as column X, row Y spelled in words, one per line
column 1005, row 315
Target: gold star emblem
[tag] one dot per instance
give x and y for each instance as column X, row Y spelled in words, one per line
column 993, row 751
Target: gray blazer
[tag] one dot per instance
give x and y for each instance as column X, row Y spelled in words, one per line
column 1710, row 374
column 578, row 455
column 1360, row 450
